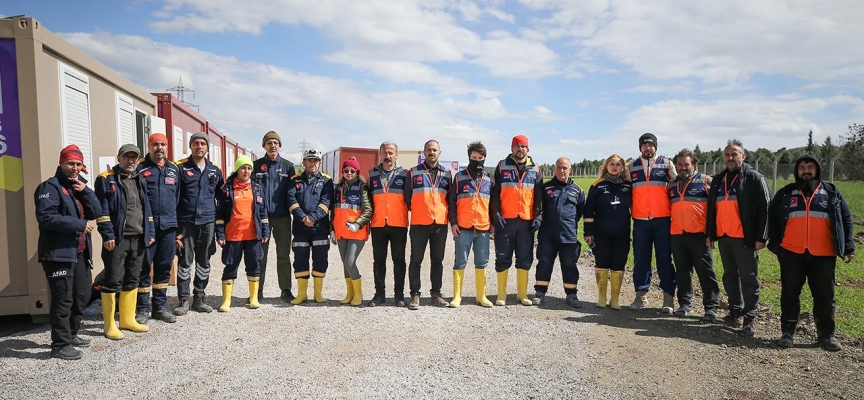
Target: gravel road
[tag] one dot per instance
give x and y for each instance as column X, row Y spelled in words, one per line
column 334, row 351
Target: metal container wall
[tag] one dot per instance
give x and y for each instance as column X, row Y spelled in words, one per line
column 230, row 155
column 217, row 148
column 180, row 122
column 331, row 162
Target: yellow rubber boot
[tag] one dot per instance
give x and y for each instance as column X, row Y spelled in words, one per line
column 318, row 282
column 480, row 285
column 128, row 299
column 109, row 301
column 522, row 287
column 350, row 295
column 458, row 275
column 302, row 288
column 227, row 289
column 617, row 280
column 254, row 285
column 502, row 288
column 358, row 291
column 602, row 283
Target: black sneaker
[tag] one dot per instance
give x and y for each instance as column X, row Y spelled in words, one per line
column 711, row 317
column 141, row 316
column 786, row 341
column 748, row 329
column 376, row 300
column 573, row 301
column 734, row 321
column 164, row 316
column 94, row 310
column 182, row 308
column 538, row 299
column 200, row 305
column 67, row 352
column 399, row 301
column 286, row 296
column 829, row 343
column 79, row 341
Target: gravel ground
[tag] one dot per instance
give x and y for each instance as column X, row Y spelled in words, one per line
column 334, row 351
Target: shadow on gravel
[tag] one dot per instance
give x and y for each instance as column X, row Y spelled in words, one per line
column 23, row 349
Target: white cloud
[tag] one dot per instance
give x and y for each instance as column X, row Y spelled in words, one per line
column 652, row 88
column 508, row 56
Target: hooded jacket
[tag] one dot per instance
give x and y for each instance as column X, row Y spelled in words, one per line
column 840, row 216
column 59, row 222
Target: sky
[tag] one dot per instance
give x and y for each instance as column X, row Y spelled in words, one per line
column 581, row 79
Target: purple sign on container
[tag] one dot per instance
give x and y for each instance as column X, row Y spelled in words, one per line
column 10, row 125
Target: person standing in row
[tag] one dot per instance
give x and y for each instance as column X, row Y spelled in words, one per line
column 511, row 207
column 65, row 208
column 469, row 222
column 274, row 174
column 126, row 227
column 200, row 179
column 809, row 226
column 651, row 174
column 426, row 197
column 389, row 223
column 309, row 199
column 241, row 227
column 607, row 227
column 688, row 194
column 738, row 220
column 163, row 193
column 558, row 206
column 351, row 213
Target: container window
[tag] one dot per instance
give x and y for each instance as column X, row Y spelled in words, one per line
column 125, row 121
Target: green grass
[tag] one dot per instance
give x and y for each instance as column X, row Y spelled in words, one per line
column 850, row 277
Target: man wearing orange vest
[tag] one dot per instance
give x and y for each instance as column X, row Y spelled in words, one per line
column 469, row 222
column 809, row 226
column 738, row 220
column 688, row 193
column 426, row 197
column 389, row 223
column 511, row 208
column 652, row 224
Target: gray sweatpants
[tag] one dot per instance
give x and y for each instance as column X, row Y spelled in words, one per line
column 349, row 250
column 740, row 276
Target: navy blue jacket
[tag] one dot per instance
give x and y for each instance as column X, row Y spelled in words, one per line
column 112, row 201
column 225, row 202
column 274, row 176
column 607, row 208
column 313, row 197
column 841, row 219
column 558, row 206
column 59, row 222
column 198, row 192
column 163, row 191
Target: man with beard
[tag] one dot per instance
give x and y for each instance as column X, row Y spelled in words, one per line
column 274, row 174
column 426, row 197
column 511, row 208
column 738, row 220
column 389, row 223
column 163, row 194
column 688, row 194
column 809, row 227
column 126, row 226
column 651, row 174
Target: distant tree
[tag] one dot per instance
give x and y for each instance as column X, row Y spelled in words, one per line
column 698, row 152
column 810, row 145
column 828, row 151
column 852, row 154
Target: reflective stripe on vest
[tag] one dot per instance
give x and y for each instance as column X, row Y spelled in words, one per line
column 517, row 190
column 347, row 208
column 472, row 203
column 809, row 224
column 689, row 206
column 650, row 199
column 429, row 198
column 388, row 198
column 728, row 214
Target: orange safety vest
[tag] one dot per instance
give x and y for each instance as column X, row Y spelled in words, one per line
column 650, row 199
column 388, row 198
column 728, row 214
column 428, row 197
column 472, row 200
column 689, row 205
column 347, row 208
column 517, row 190
column 808, row 226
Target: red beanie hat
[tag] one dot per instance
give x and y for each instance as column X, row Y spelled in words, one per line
column 157, row 137
column 519, row 139
column 72, row 152
column 351, row 162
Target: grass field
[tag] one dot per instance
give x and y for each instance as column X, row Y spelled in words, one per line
column 850, row 277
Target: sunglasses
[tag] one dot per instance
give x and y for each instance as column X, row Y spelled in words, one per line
column 349, row 171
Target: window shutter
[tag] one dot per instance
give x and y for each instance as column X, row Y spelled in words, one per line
column 75, row 115
column 178, row 143
column 125, row 121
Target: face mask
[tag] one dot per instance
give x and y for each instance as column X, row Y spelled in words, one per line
column 476, row 166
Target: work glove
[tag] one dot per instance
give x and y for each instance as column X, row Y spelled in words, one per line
column 352, row 226
column 333, row 237
column 535, row 226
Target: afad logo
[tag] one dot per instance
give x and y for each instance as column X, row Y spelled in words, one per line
column 189, row 173
column 506, row 174
column 794, row 202
column 264, row 167
column 419, row 179
column 549, row 191
column 634, row 175
column 147, row 173
column 465, row 188
column 299, row 186
column 375, row 182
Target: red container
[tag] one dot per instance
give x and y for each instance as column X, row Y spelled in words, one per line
column 217, row 147
column 180, row 123
column 331, row 162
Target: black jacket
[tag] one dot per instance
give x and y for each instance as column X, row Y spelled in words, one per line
column 607, row 208
column 274, row 176
column 59, row 222
column 753, row 201
column 112, row 201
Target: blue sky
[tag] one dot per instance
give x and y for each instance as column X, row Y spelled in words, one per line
column 581, row 79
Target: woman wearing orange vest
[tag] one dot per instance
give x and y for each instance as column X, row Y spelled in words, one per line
column 241, row 227
column 351, row 213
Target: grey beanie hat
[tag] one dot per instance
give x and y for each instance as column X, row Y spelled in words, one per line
column 199, row 135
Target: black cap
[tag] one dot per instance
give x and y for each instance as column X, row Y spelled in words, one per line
column 648, row 138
